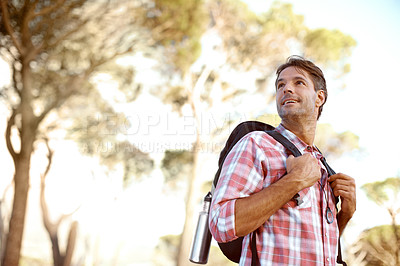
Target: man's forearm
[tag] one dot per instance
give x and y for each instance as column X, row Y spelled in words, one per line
column 342, row 220
column 251, row 212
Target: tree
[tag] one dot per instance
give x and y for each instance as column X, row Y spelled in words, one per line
column 44, row 43
column 376, row 246
column 381, row 245
column 240, row 42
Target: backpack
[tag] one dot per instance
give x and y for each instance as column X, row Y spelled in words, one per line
column 232, row 250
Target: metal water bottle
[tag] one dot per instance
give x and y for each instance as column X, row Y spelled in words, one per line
column 202, row 238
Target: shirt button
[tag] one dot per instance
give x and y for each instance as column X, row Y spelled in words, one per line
column 327, row 259
column 308, row 148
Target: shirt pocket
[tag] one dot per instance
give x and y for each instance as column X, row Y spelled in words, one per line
column 302, row 200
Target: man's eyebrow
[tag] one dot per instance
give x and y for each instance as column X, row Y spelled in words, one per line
column 279, row 80
column 294, row 78
column 300, row 77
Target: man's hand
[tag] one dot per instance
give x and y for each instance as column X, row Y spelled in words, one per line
column 344, row 187
column 304, row 168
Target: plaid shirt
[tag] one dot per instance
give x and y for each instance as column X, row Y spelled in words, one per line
column 294, row 235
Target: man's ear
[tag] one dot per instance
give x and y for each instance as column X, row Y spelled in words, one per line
column 320, row 98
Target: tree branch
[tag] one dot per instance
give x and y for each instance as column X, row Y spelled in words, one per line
column 102, row 10
column 15, row 81
column 46, row 10
column 45, row 211
column 69, row 33
column 10, row 124
column 7, row 26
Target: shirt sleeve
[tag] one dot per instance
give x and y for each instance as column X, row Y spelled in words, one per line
column 241, row 175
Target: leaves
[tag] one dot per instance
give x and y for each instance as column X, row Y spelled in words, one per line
column 381, row 192
column 328, row 46
column 176, row 165
column 378, row 246
column 178, row 26
column 281, row 18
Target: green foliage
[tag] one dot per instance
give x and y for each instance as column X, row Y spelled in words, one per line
column 176, row 165
column 382, row 233
column 166, row 251
column 381, row 192
column 178, row 25
column 378, row 246
column 281, row 18
column 327, row 46
column 250, row 41
column 177, row 97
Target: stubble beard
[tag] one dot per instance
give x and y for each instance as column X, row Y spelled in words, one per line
column 297, row 115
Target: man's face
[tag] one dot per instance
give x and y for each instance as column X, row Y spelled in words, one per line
column 295, row 95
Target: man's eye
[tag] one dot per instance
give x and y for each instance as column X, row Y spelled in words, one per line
column 280, row 86
column 299, row 82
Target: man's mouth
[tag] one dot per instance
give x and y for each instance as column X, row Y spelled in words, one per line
column 288, row 101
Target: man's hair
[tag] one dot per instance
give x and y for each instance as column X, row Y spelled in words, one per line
column 315, row 73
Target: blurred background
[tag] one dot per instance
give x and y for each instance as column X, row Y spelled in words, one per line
column 113, row 114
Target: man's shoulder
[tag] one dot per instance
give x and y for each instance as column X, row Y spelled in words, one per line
column 262, row 139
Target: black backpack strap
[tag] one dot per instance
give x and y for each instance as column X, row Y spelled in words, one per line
column 339, row 258
column 285, row 142
column 254, row 255
column 238, row 132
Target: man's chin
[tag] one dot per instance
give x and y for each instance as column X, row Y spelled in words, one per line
column 290, row 115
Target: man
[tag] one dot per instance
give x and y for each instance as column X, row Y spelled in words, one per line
column 259, row 180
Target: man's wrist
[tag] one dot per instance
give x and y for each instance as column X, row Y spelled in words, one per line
column 343, row 218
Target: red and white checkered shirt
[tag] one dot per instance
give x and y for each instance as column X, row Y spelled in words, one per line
column 294, row 235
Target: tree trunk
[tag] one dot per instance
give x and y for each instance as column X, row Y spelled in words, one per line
column 17, row 221
column 195, row 181
column 59, row 258
column 22, row 159
column 192, row 199
column 71, row 243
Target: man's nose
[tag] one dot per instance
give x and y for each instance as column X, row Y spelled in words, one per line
column 288, row 88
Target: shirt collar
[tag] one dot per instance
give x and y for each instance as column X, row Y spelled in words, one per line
column 301, row 145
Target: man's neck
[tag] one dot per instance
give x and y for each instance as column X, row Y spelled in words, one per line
column 303, row 130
